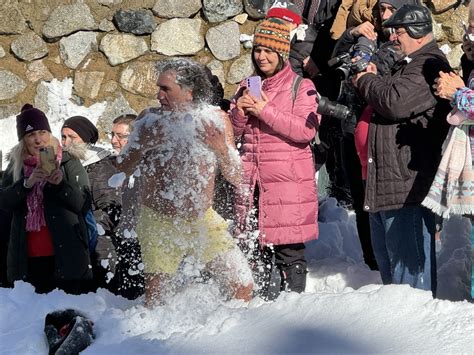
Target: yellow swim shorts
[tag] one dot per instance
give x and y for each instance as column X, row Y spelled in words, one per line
column 166, row 241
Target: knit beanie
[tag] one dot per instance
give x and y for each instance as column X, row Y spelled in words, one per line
column 83, row 127
column 285, row 10
column 31, row 119
column 274, row 34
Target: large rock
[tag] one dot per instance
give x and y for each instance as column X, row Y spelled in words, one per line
column 121, row 48
column 41, row 97
column 240, row 69
column 140, row 78
column 115, row 107
column 37, row 70
column 257, row 9
column 29, row 47
column 66, row 19
column 7, row 111
column 76, row 47
column 165, row 38
column 87, row 83
column 224, row 40
column 221, row 10
column 106, row 25
column 10, row 85
column 454, row 56
column 173, row 8
column 217, row 69
column 11, row 20
column 138, row 22
column 109, row 3
column 453, row 31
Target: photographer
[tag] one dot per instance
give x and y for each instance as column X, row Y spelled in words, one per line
column 368, row 41
column 404, row 149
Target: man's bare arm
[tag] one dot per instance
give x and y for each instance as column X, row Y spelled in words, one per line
column 222, row 143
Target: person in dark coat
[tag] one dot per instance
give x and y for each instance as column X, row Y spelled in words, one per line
column 404, row 149
column 48, row 239
column 79, row 135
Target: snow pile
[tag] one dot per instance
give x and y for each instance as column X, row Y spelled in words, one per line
column 331, row 317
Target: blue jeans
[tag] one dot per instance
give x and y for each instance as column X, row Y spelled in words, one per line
column 403, row 243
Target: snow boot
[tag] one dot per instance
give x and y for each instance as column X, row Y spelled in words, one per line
column 68, row 332
column 294, row 277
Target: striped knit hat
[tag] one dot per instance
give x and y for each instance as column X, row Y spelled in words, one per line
column 274, row 34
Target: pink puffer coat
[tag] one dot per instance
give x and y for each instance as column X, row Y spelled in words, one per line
column 276, row 155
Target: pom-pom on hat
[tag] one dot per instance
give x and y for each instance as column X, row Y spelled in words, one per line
column 83, row 127
column 29, row 120
column 285, row 10
column 274, row 34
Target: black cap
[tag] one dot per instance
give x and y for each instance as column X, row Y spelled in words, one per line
column 416, row 19
column 83, row 127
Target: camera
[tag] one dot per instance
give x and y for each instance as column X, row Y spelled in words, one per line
column 333, row 109
column 363, row 50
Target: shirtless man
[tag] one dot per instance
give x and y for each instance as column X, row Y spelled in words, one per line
column 176, row 150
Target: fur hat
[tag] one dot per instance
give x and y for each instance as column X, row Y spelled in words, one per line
column 286, row 11
column 274, row 34
column 416, row 19
column 83, row 127
column 29, row 120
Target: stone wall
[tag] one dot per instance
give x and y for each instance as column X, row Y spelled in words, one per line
column 109, row 47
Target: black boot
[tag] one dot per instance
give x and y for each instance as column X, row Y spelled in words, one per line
column 294, row 277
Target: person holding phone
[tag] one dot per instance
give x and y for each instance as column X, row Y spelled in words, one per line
column 48, row 237
column 279, row 187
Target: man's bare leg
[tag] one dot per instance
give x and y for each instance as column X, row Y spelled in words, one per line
column 154, row 289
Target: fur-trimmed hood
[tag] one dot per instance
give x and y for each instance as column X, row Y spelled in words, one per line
column 87, row 153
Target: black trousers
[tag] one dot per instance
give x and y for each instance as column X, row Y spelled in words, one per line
column 353, row 172
column 276, row 259
column 41, row 276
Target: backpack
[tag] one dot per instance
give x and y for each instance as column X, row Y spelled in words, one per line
column 92, row 231
column 318, row 147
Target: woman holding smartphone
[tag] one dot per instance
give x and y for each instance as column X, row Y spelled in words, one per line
column 48, row 238
column 279, row 189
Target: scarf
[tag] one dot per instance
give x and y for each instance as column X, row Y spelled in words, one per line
column 451, row 191
column 34, row 200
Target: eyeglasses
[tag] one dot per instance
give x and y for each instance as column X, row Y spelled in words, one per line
column 119, row 136
column 399, row 33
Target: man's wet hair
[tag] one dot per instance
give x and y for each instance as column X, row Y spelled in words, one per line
column 189, row 75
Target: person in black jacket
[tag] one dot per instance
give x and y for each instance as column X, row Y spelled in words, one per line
column 48, row 239
column 384, row 56
column 404, row 149
column 78, row 136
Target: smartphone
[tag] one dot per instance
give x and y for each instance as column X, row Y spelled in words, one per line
column 48, row 159
column 254, row 84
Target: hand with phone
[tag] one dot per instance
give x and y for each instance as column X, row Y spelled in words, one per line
column 253, row 99
column 48, row 159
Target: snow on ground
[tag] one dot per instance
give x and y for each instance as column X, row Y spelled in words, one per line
column 345, row 309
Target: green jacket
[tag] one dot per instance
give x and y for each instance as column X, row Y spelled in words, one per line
column 63, row 209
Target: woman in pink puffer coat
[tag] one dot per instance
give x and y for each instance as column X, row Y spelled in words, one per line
column 279, row 174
